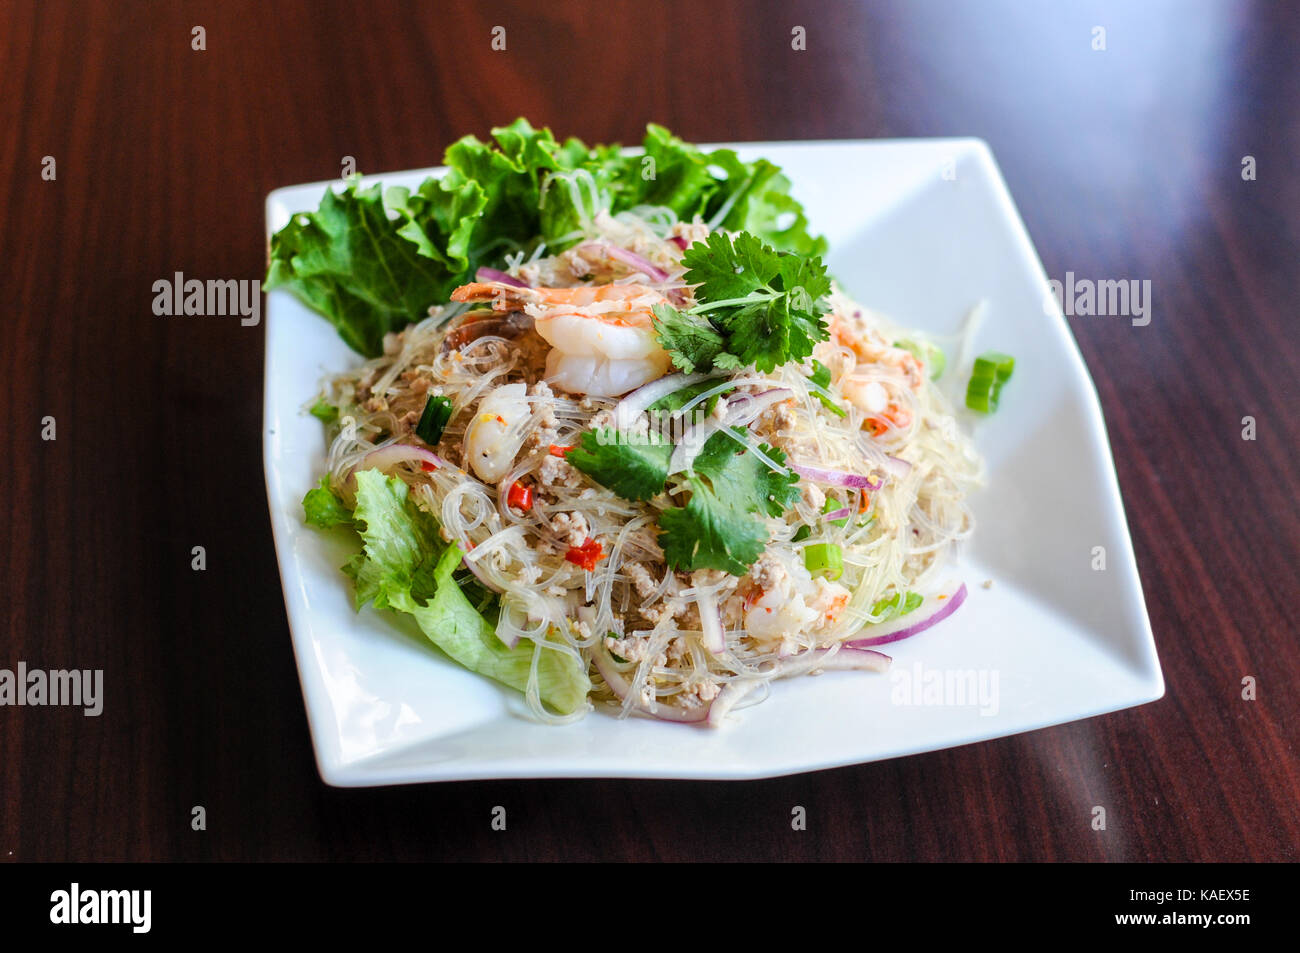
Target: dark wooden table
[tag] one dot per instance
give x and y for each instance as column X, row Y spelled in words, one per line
column 1125, row 162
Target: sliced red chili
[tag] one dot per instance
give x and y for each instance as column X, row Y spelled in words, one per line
column 558, row 451
column 520, row 497
column 586, row 555
column 428, row 467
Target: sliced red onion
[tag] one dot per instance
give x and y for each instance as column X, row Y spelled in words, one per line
column 473, row 566
column 897, row 466
column 634, row 404
column 619, row 686
column 691, row 445
column 749, row 411
column 848, row 657
column 715, row 640
column 726, row 700
column 629, row 258
column 492, row 274
column 853, row 481
column 933, row 610
column 385, row 458
column 838, row 514
column 679, row 241
column 743, row 409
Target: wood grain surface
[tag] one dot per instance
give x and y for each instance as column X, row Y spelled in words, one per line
column 1125, row 163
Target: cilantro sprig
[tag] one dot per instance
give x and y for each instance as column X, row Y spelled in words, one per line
column 755, row 305
column 720, row 525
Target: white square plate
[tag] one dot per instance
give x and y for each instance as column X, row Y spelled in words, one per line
column 920, row 230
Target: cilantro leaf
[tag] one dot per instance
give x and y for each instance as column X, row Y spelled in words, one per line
column 708, row 533
column 634, row 467
column 692, row 342
column 727, row 270
column 739, row 475
column 762, row 334
column 763, row 307
column 805, row 281
column 719, row 528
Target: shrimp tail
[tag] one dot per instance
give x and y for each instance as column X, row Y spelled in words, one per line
column 504, row 297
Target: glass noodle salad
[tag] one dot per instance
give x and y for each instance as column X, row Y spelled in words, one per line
column 620, row 441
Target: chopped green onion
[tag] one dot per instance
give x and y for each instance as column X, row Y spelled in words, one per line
column 821, row 380
column 434, row 420
column 824, row 558
column 992, row 370
column 324, row 411
column 928, row 354
column 831, row 505
column 889, row 608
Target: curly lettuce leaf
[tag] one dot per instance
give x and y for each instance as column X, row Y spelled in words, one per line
column 372, row 262
column 401, row 542
column 671, row 173
column 451, row 623
column 347, row 261
column 405, row 566
column 323, row 508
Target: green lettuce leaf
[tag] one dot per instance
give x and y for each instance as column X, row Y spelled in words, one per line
column 404, row 565
column 348, row 261
column 401, row 542
column 451, row 623
column 323, row 508
column 373, row 262
column 671, row 173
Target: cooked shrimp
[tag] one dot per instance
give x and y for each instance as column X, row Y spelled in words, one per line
column 474, row 326
column 602, row 337
column 870, row 349
column 492, row 439
column 870, row 396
